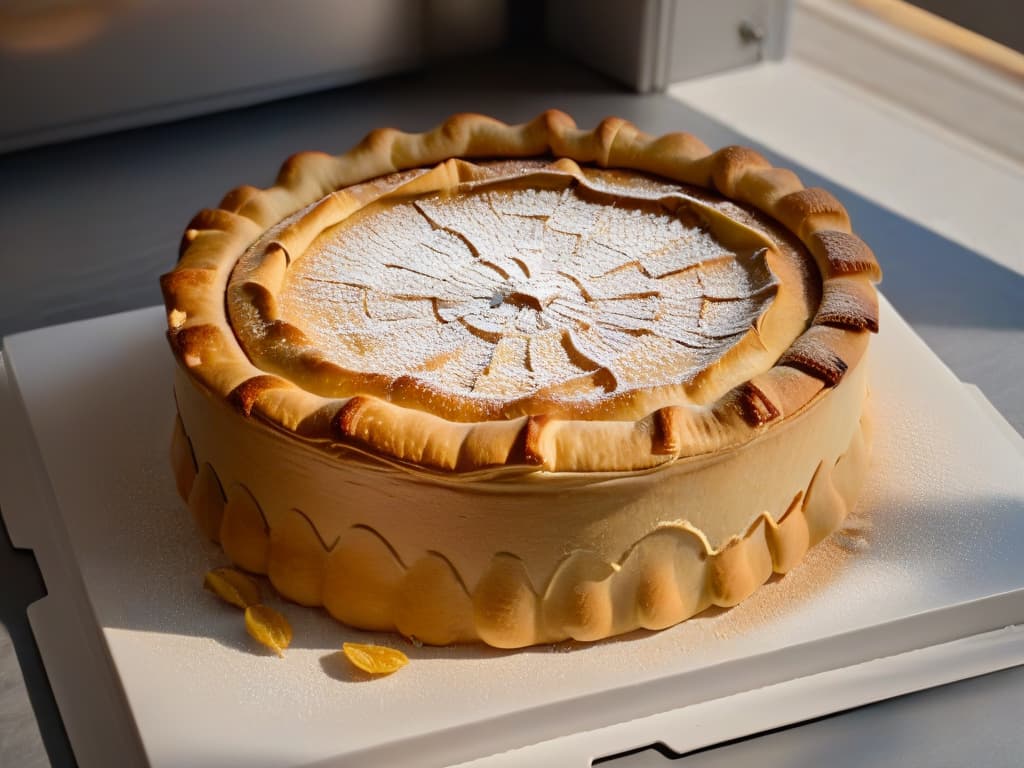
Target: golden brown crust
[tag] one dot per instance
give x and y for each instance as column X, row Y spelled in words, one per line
column 395, row 425
column 849, row 302
column 532, row 451
column 826, row 352
column 665, row 440
column 732, row 164
column 842, row 253
column 811, row 210
column 245, row 395
column 754, row 405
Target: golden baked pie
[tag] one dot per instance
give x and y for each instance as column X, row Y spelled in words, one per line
column 517, row 384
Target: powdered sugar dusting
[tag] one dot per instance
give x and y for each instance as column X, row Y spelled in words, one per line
column 510, row 291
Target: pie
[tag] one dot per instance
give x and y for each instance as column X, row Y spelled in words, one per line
column 517, row 384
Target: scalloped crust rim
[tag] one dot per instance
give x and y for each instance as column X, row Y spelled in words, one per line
column 204, row 343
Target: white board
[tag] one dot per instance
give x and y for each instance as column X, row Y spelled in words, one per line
column 930, row 557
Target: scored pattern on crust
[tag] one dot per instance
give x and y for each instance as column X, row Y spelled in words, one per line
column 202, row 337
column 539, row 287
column 667, row 576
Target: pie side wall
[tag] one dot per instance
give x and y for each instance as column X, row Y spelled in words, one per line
column 527, row 558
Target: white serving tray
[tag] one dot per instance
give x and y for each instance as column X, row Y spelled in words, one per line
column 922, row 587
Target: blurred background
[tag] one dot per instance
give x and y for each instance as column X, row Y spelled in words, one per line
column 941, row 80
column 71, row 68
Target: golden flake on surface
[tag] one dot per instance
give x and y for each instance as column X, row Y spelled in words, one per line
column 268, row 627
column 375, row 659
column 233, row 587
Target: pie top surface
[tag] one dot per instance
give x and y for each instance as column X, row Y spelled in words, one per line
column 529, row 288
column 512, row 292
column 447, row 314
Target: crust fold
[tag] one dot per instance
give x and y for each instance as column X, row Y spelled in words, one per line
column 849, row 302
column 842, row 253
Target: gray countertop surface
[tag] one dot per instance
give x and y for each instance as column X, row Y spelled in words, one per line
column 88, row 226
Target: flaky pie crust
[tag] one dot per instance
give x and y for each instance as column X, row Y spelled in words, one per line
column 204, row 341
column 360, row 565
